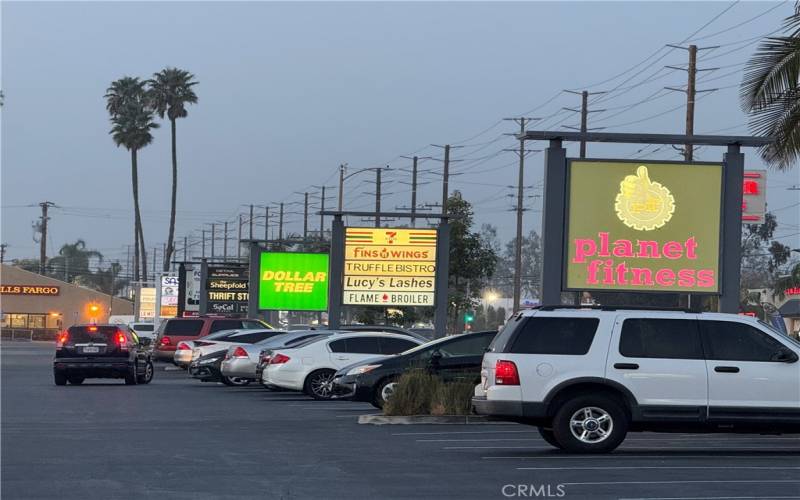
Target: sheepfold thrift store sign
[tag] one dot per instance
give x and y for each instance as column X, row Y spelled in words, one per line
column 643, row 226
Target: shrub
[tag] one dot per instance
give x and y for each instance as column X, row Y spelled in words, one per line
column 413, row 394
column 418, row 392
column 454, row 398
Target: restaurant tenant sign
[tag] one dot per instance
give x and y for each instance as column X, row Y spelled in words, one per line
column 389, row 266
column 643, row 226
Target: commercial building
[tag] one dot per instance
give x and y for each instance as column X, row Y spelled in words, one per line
column 38, row 306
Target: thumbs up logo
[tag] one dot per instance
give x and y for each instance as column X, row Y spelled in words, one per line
column 643, row 204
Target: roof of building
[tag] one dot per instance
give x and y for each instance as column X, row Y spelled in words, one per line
column 790, row 309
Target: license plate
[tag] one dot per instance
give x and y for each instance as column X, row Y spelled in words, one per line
column 90, row 349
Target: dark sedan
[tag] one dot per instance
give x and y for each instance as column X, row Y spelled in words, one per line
column 452, row 358
column 208, row 368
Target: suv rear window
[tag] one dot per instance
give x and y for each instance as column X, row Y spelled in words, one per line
column 550, row 335
column 187, row 327
column 100, row 335
column 225, row 324
column 660, row 338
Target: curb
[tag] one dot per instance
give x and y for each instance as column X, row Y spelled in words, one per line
column 423, row 419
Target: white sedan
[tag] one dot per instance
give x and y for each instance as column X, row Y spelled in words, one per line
column 310, row 367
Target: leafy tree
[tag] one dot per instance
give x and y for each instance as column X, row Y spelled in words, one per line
column 761, row 255
column 472, row 261
column 131, row 126
column 170, row 90
column 73, row 260
column 769, row 92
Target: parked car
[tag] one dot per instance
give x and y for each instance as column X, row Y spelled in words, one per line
column 310, row 367
column 101, row 351
column 184, row 349
column 203, row 346
column 588, row 377
column 452, row 358
column 385, row 329
column 143, row 330
column 207, row 369
column 242, row 361
column 172, row 331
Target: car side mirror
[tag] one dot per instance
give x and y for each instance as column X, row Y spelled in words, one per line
column 784, row 356
column 436, row 356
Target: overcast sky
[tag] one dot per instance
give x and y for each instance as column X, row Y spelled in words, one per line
column 287, row 92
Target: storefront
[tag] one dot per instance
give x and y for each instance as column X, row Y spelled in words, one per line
column 35, row 306
column 790, row 311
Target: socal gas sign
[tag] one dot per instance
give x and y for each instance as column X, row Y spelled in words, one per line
column 389, row 266
column 643, row 226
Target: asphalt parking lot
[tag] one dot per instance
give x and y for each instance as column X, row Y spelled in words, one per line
column 179, row 438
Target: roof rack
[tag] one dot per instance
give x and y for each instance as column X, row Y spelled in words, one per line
column 619, row 308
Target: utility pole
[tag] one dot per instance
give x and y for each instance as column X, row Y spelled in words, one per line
column 341, row 185
column 155, row 258
column 3, row 253
column 164, row 263
column 225, row 243
column 584, row 112
column 185, row 247
column 305, row 217
column 251, row 221
column 266, row 223
column 322, row 217
column 378, row 197
column 280, row 225
column 690, row 91
column 203, row 251
column 414, row 172
column 43, row 241
column 239, row 246
column 213, row 238
column 522, row 122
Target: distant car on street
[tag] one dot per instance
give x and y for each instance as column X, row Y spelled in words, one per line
column 143, row 329
column 101, row 351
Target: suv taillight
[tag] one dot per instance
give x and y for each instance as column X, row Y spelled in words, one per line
column 279, row 359
column 505, row 373
column 61, row 339
column 183, row 346
column 239, row 353
column 166, row 341
column 122, row 342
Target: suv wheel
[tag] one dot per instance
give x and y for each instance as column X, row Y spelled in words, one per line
column 590, row 424
column 60, row 378
column 147, row 376
column 319, row 385
column 130, row 377
column 549, row 437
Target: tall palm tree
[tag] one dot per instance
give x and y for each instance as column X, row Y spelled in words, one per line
column 132, row 120
column 770, row 93
column 73, row 260
column 170, row 90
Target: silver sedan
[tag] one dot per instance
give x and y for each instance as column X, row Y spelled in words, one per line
column 241, row 360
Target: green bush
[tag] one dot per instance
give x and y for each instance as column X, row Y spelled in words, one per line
column 418, row 392
column 413, row 394
column 454, row 398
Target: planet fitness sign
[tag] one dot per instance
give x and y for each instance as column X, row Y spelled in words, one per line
column 293, row 281
column 643, row 226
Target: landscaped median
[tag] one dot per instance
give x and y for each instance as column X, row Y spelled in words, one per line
column 423, row 398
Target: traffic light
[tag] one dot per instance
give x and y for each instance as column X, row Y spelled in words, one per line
column 469, row 317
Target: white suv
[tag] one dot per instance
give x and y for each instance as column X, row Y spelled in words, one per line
column 586, row 377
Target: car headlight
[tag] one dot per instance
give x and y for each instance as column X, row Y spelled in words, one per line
column 359, row 370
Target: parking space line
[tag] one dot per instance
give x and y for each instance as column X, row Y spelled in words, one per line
column 694, row 481
column 637, row 457
column 636, row 467
column 458, row 432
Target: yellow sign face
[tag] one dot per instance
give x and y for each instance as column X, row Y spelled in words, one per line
column 147, row 303
column 389, row 266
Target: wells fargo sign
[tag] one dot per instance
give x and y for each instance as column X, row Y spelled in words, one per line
column 389, row 266
column 29, row 290
column 636, row 226
column 293, row 281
